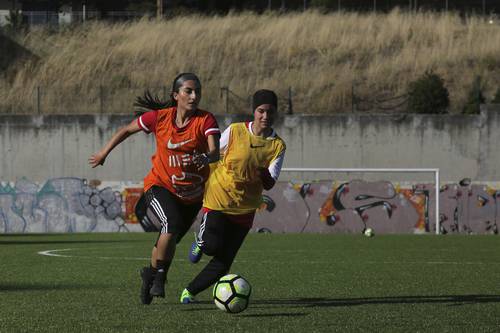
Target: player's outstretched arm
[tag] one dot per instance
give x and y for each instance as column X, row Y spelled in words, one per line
column 123, row 133
column 213, row 153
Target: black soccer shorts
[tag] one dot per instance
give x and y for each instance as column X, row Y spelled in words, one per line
column 168, row 214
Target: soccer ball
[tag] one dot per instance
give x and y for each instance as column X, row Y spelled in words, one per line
column 369, row 232
column 232, row 293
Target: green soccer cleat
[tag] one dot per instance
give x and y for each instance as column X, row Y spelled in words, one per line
column 187, row 297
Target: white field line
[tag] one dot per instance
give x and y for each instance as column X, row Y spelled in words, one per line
column 55, row 253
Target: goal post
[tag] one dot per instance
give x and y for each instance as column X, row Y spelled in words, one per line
column 434, row 171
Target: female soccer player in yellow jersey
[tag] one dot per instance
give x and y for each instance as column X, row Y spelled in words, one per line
column 251, row 158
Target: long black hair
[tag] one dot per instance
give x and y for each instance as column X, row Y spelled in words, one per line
column 149, row 101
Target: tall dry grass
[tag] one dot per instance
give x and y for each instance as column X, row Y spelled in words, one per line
column 320, row 56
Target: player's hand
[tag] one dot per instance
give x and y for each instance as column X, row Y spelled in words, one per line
column 200, row 160
column 97, row 159
column 263, row 172
column 266, row 178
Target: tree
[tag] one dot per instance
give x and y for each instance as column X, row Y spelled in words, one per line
column 14, row 21
column 496, row 98
column 428, row 95
column 475, row 97
column 326, row 4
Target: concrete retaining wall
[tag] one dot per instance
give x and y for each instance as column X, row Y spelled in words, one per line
column 43, row 147
column 46, row 184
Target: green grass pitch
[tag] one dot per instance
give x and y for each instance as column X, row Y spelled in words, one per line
column 301, row 283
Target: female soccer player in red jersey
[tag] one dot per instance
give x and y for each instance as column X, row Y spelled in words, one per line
column 187, row 140
column 251, row 158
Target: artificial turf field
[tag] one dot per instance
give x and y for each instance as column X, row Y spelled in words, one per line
column 301, row 283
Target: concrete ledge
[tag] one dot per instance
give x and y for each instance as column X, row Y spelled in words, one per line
column 47, row 146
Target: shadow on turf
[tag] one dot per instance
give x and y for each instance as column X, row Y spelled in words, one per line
column 210, row 307
column 79, row 241
column 13, row 287
column 281, row 314
column 330, row 302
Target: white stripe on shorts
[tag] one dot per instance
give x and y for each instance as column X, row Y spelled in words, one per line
column 199, row 239
column 161, row 214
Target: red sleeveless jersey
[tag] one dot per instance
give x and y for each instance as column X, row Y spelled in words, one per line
column 172, row 162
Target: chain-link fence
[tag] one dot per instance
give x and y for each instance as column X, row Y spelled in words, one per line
column 72, row 100
column 219, row 100
column 379, row 101
column 51, row 18
column 483, row 7
column 78, row 15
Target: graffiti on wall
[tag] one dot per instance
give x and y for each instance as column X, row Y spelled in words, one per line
column 357, row 205
column 77, row 205
column 61, row 205
column 467, row 208
column 350, row 207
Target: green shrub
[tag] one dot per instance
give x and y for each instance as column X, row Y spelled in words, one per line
column 324, row 4
column 475, row 97
column 496, row 98
column 428, row 95
column 15, row 21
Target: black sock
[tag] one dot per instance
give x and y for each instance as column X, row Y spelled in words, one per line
column 153, row 269
column 162, row 265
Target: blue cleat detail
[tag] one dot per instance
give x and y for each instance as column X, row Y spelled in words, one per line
column 195, row 253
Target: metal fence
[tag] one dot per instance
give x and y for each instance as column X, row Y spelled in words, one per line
column 219, row 100
column 62, row 18
column 482, row 7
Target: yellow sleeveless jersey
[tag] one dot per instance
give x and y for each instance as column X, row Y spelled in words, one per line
column 234, row 186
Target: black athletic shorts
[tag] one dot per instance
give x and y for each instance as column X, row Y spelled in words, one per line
column 167, row 213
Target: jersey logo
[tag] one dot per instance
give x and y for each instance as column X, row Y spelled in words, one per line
column 171, row 145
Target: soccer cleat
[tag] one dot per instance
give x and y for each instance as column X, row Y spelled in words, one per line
column 187, row 297
column 147, row 277
column 158, row 286
column 195, row 253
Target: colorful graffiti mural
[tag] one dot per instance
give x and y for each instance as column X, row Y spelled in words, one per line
column 350, row 207
column 356, row 205
column 78, row 205
column 61, row 205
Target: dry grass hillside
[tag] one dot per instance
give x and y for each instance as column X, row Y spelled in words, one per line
column 100, row 67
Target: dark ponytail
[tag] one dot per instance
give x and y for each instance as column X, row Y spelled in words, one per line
column 149, row 102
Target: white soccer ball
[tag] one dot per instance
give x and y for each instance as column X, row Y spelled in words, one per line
column 369, row 232
column 232, row 293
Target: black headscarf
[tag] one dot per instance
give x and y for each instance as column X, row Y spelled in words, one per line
column 264, row 96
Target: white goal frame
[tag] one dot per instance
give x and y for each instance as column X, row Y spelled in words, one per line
column 434, row 171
